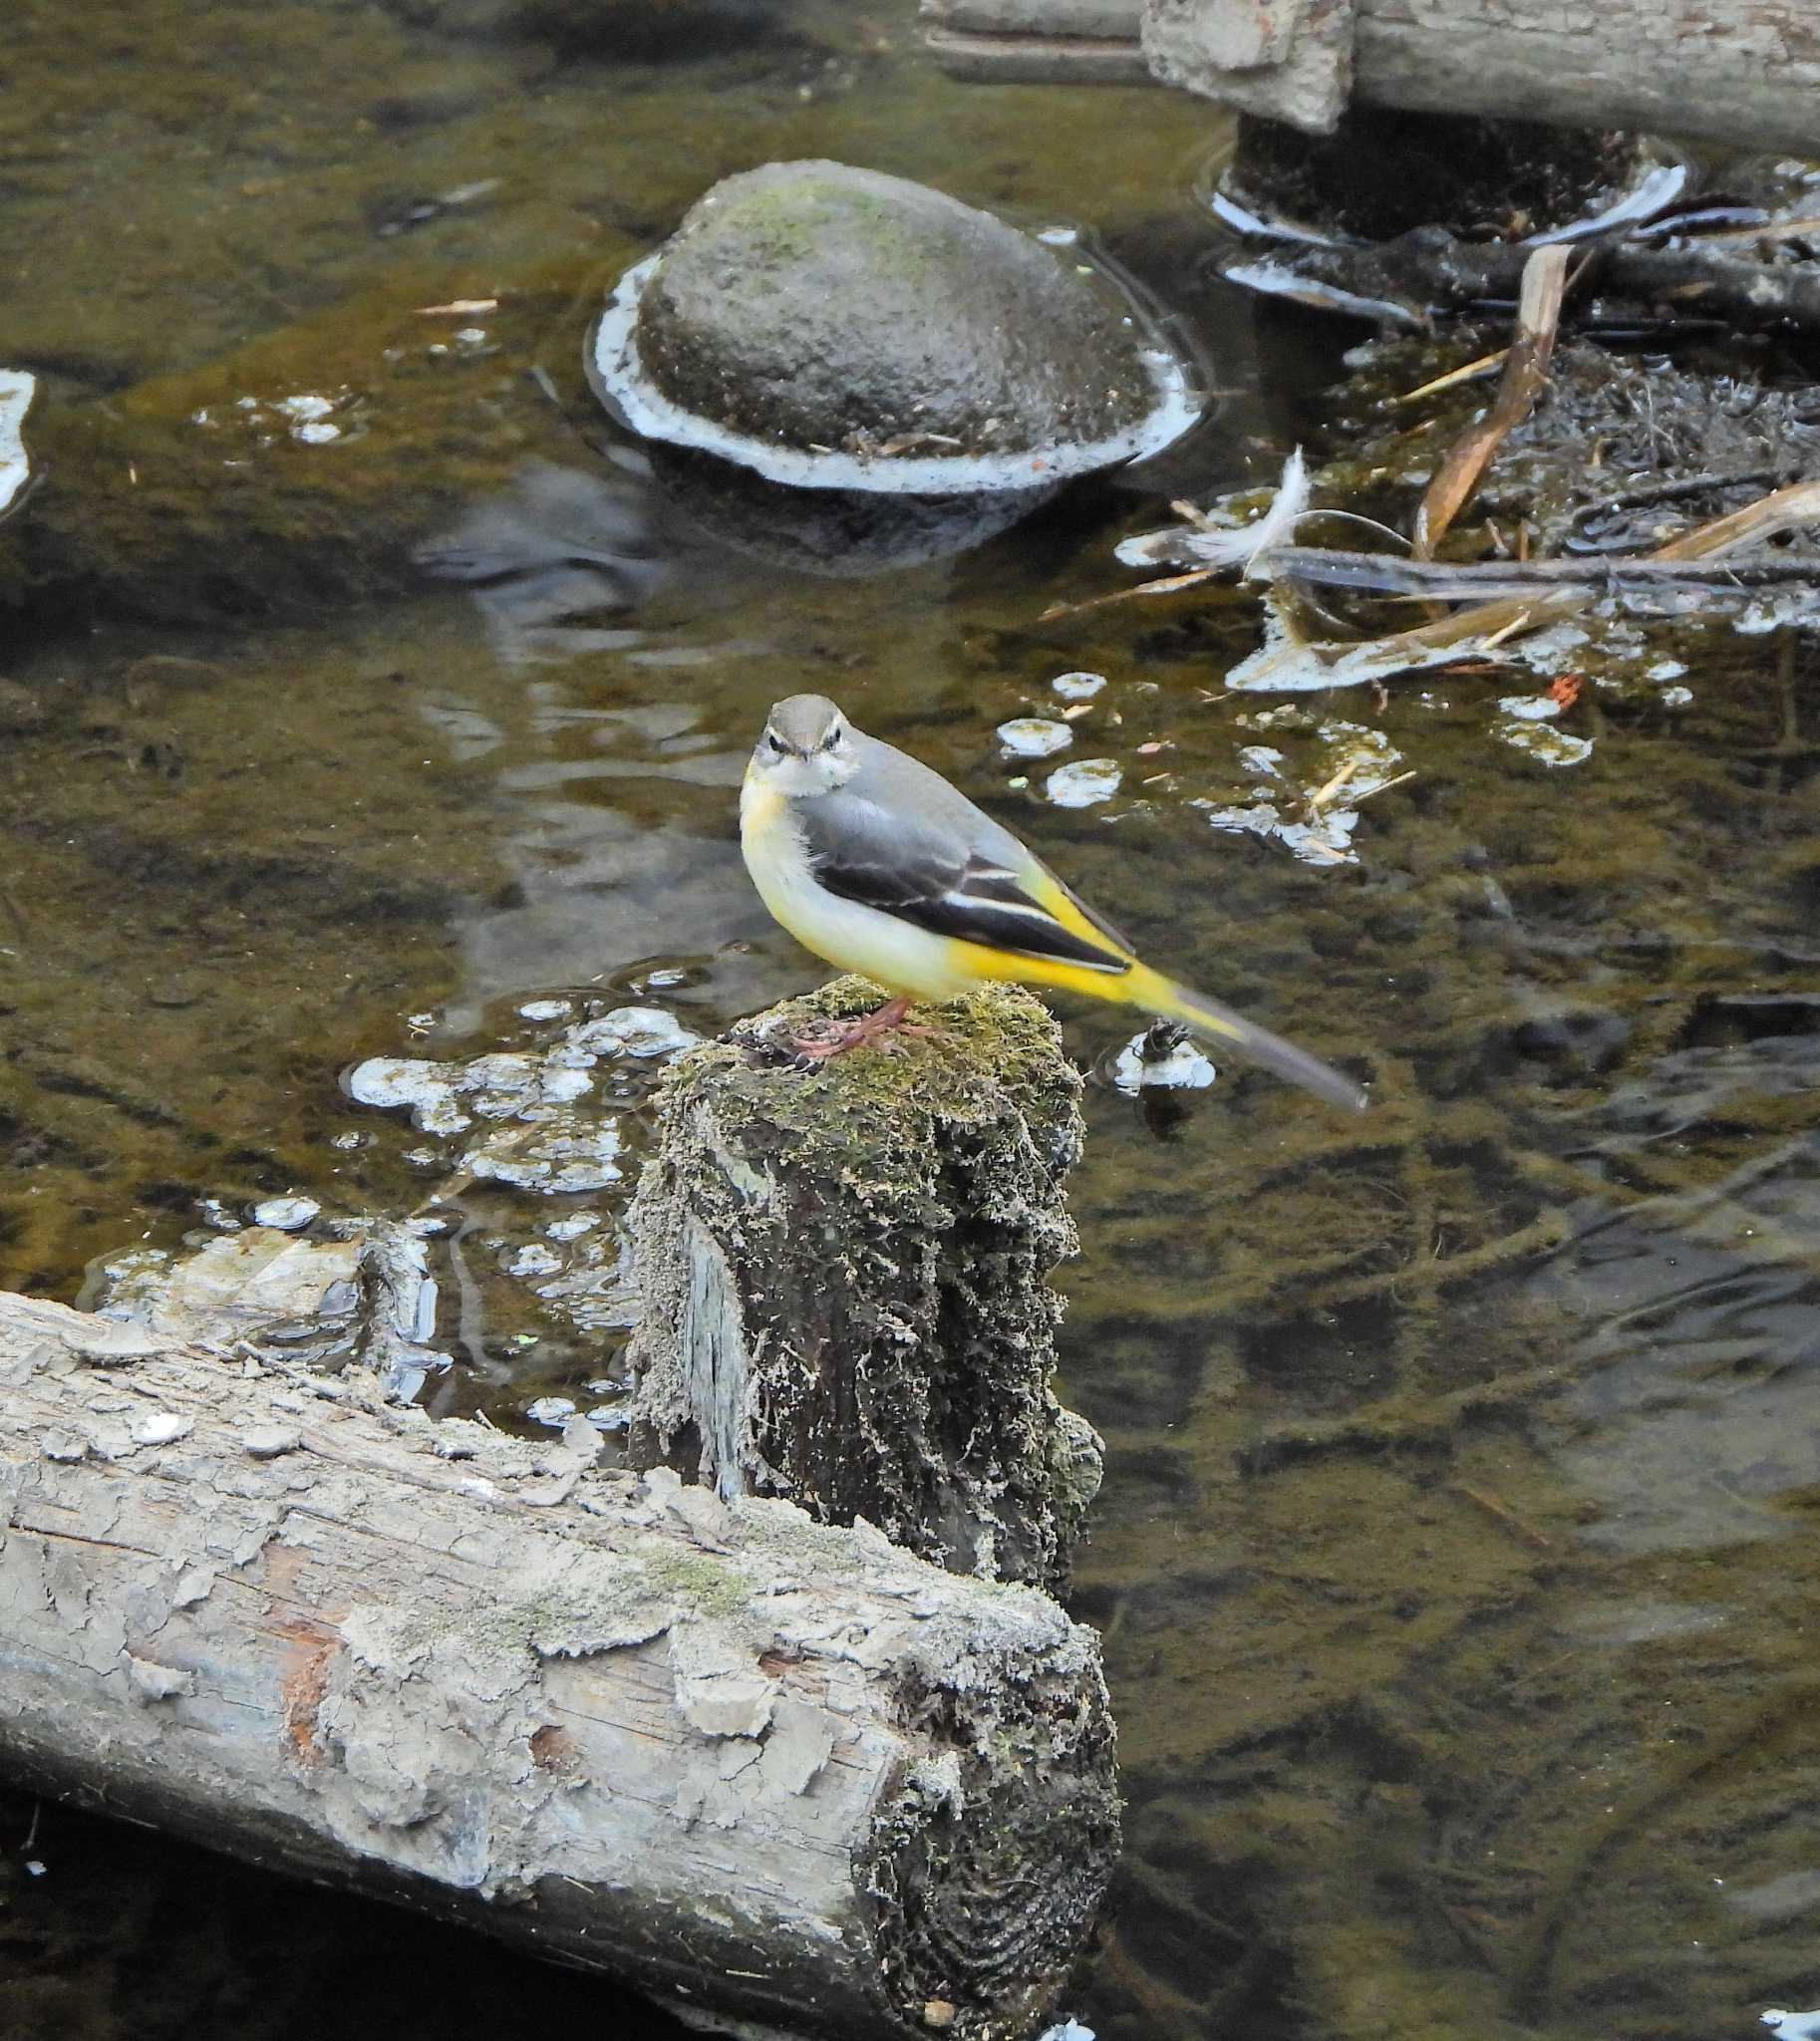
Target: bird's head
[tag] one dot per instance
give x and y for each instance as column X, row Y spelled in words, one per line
column 808, row 748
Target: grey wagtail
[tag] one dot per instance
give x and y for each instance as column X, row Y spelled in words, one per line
column 876, row 863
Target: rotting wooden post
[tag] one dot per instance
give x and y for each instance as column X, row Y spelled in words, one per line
column 776, row 1775
column 1738, row 70
column 844, row 1280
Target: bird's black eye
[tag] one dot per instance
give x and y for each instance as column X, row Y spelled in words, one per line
column 777, row 743
column 832, row 739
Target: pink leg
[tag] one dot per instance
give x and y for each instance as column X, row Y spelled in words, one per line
column 835, row 1037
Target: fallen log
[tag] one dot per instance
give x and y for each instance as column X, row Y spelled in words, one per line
column 843, row 1277
column 776, row 1775
column 1733, row 70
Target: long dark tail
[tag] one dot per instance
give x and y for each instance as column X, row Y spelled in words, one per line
column 1159, row 995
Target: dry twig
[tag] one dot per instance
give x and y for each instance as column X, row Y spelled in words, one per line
column 1525, row 375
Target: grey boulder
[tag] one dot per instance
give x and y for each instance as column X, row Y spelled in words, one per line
column 838, row 328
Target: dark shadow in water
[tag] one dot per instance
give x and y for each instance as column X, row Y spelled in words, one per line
column 126, row 1936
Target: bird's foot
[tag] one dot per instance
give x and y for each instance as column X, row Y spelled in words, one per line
column 827, row 1039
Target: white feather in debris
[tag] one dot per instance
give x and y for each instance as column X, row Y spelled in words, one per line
column 17, row 389
column 1243, row 546
column 1792, row 2026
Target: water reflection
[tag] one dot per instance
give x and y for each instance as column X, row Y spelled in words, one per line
column 562, row 547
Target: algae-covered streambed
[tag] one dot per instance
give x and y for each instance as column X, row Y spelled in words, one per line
column 1456, row 1559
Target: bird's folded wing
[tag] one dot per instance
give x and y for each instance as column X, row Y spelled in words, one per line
column 932, row 878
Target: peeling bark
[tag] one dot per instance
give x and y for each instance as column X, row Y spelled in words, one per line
column 770, row 1772
column 844, row 1281
column 1735, row 70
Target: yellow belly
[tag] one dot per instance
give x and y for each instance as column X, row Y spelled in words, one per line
column 846, row 932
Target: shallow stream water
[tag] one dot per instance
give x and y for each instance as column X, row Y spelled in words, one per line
column 1456, row 1560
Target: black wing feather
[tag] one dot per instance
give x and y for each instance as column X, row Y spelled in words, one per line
column 924, row 878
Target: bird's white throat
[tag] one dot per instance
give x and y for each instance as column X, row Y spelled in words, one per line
column 800, row 779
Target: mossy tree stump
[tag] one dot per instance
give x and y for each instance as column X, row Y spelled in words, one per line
column 845, row 1280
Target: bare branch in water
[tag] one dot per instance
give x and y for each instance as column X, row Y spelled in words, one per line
column 1481, row 580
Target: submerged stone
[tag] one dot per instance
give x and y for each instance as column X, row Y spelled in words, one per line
column 366, row 1296
column 836, row 328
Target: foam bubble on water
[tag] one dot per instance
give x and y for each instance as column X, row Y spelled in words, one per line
column 1790, row 2027
column 1083, row 784
column 1033, row 736
column 1530, row 708
column 1547, row 746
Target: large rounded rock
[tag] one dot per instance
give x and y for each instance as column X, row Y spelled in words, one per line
column 840, row 328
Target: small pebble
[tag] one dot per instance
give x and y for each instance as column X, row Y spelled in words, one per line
column 631, row 1031
column 270, row 1441
column 286, row 1214
column 1530, row 708
column 1083, row 784
column 534, row 1259
column 571, row 1228
column 938, row 2013
column 1079, row 687
column 1033, row 736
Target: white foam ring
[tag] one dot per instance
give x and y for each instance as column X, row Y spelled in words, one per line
column 618, row 373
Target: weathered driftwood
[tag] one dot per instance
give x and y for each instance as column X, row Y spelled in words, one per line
column 844, row 1281
column 767, row 1771
column 1428, row 266
column 1740, row 70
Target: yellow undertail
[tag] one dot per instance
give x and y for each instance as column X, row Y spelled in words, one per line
column 1156, row 994
column 1151, row 993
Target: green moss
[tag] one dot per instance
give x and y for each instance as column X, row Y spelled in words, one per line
column 889, row 1222
column 702, row 1585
